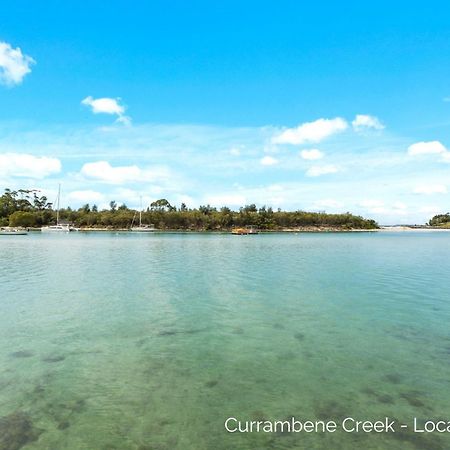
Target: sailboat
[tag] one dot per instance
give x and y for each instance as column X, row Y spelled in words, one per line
column 141, row 228
column 59, row 227
column 8, row 231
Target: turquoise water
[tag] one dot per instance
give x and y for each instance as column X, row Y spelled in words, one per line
column 124, row 341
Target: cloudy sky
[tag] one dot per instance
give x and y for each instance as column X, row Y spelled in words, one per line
column 281, row 104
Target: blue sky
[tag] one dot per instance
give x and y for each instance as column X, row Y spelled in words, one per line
column 291, row 104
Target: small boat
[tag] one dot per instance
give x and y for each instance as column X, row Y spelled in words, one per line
column 241, row 231
column 60, row 227
column 142, row 228
column 9, row 231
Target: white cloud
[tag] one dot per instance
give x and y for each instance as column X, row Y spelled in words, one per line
column 107, row 105
column 327, row 203
column 311, row 154
column 25, row 165
column 14, row 65
column 268, row 161
column 104, row 172
column 124, row 120
column 429, row 189
column 226, row 200
column 363, row 121
column 432, row 210
column 426, row 148
column 311, row 131
column 104, row 105
column 399, row 206
column 373, row 206
column 317, row 171
column 235, row 151
column 86, row 196
column 370, row 203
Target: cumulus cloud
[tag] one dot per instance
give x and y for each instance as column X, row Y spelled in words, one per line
column 311, row 131
column 399, row 206
column 311, row 154
column 429, row 189
column 107, row 105
column 373, row 206
column 427, row 148
column 86, row 196
column 268, row 161
column 14, row 65
column 364, row 121
column 328, row 203
column 430, row 148
column 104, row 172
column 226, row 200
column 317, row 171
column 431, row 210
column 30, row 166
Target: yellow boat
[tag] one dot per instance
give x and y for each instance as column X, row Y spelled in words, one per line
column 240, row 231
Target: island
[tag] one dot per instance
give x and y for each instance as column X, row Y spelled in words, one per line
column 26, row 208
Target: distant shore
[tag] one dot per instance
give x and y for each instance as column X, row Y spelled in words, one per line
column 420, row 228
column 224, row 231
column 310, row 229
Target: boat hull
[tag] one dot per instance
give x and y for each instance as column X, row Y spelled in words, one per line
column 55, row 229
column 142, row 230
column 13, row 233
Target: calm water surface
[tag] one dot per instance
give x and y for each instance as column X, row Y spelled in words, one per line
column 123, row 341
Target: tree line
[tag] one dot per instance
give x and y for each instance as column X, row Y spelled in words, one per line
column 26, row 208
column 440, row 220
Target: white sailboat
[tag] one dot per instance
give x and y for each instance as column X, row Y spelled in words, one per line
column 142, row 228
column 11, row 231
column 59, row 227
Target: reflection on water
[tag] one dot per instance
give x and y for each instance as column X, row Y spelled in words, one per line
column 120, row 341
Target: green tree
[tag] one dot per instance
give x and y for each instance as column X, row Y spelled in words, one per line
column 22, row 219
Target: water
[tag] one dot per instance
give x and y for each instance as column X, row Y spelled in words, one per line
column 123, row 341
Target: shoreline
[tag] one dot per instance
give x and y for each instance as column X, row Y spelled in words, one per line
column 401, row 228
column 173, row 231
column 226, row 231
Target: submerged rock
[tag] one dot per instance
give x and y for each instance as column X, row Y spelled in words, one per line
column 63, row 425
column 167, row 333
column 379, row 396
column 17, row 430
column 211, row 383
column 54, row 358
column 412, row 397
column 331, row 410
column 394, row 378
column 22, row 354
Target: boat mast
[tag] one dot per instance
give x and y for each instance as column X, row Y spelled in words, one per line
column 140, row 214
column 57, row 204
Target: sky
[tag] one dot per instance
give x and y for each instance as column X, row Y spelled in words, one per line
column 318, row 106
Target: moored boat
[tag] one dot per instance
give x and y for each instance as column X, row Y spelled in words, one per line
column 11, row 231
column 141, row 228
column 240, row 231
column 60, row 227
